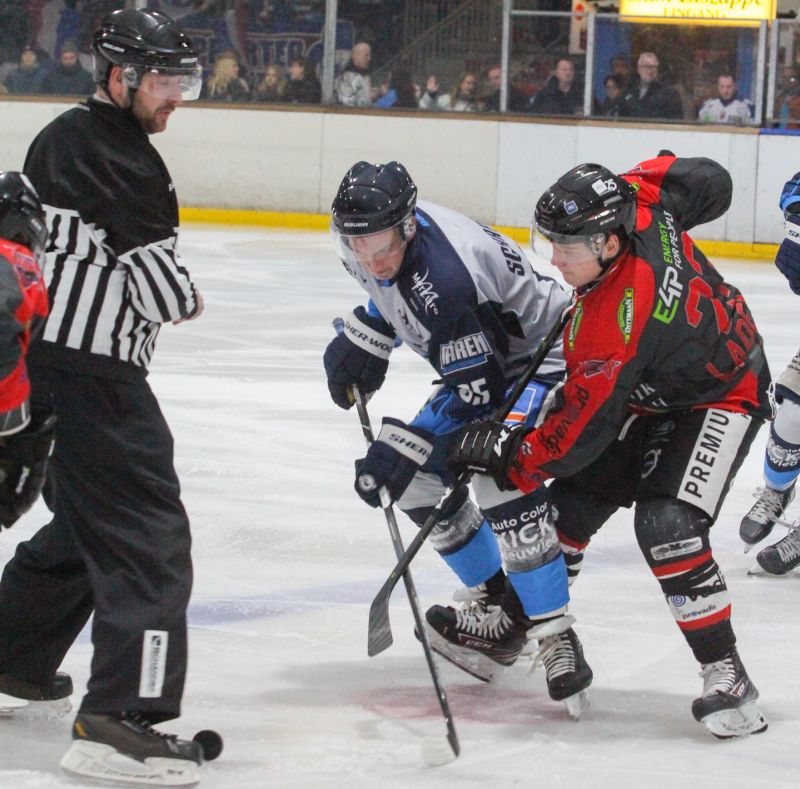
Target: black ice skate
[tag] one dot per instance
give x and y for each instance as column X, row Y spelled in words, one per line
column 22, row 698
column 764, row 514
column 568, row 673
column 783, row 556
column 480, row 639
column 727, row 707
column 123, row 748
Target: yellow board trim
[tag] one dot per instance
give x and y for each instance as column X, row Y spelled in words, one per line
column 290, row 221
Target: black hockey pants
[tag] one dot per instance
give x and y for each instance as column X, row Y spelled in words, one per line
column 118, row 545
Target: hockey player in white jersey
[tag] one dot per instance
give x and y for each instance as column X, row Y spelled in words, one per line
column 782, row 456
column 466, row 298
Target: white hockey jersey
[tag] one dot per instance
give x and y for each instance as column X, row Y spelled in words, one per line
column 467, row 299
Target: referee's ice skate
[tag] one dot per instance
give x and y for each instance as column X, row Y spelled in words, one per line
column 125, row 749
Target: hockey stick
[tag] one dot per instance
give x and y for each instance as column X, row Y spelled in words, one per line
column 379, row 635
column 435, row 750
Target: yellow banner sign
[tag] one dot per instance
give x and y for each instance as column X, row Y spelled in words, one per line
column 692, row 10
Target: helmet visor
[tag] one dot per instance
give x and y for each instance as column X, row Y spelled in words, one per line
column 176, row 83
column 380, row 253
column 575, row 248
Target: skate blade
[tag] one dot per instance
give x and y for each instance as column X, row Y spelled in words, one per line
column 474, row 663
column 577, row 704
column 12, row 707
column 758, row 571
column 104, row 764
column 738, row 722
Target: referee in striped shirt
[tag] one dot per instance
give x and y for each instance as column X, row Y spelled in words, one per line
column 118, row 544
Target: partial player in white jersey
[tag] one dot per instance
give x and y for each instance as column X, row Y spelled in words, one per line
column 782, row 456
column 466, row 298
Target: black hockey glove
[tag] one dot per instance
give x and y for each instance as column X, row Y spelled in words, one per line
column 392, row 460
column 358, row 355
column 488, row 448
column 23, row 465
column 788, row 258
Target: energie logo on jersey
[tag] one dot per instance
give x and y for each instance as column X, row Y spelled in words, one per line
column 671, row 288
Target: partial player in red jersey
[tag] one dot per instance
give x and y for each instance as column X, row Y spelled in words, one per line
column 26, row 433
column 666, row 388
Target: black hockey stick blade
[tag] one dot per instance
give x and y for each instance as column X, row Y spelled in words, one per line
column 379, row 635
column 380, row 631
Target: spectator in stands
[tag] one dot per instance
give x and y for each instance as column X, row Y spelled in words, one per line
column 726, row 107
column 649, row 98
column 354, row 86
column 28, row 77
column 399, row 91
column 561, row 95
column 225, row 84
column 303, row 86
column 68, row 78
column 787, row 102
column 463, row 97
column 615, row 96
column 621, row 66
column 432, row 98
column 273, row 86
column 516, row 101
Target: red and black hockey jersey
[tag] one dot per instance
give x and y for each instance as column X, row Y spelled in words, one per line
column 23, row 300
column 660, row 332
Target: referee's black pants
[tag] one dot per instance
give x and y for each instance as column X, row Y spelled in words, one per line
column 118, row 545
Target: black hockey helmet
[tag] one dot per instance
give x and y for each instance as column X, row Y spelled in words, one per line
column 143, row 40
column 22, row 219
column 586, row 204
column 374, row 197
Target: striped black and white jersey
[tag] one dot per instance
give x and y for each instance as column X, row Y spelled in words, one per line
column 112, row 269
column 467, row 299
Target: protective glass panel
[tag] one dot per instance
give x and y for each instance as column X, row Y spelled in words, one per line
column 674, row 72
column 786, row 109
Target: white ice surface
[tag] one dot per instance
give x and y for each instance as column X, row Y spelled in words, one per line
column 287, row 560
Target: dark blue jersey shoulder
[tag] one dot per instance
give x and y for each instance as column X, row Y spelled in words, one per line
column 434, row 280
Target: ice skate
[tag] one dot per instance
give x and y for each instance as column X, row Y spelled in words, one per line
column 480, row 639
column 727, row 707
column 20, row 698
column 764, row 514
column 124, row 749
column 568, row 673
column 783, row 556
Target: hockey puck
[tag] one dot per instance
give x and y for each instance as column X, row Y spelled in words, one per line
column 210, row 742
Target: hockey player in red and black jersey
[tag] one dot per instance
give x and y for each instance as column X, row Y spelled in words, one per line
column 26, row 433
column 666, row 388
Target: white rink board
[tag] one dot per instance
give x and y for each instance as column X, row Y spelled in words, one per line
column 278, row 160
